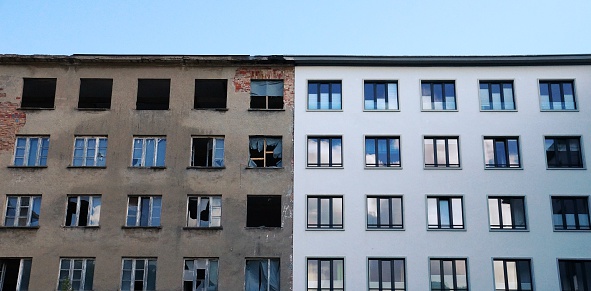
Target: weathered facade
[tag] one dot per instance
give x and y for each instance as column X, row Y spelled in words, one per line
column 116, row 239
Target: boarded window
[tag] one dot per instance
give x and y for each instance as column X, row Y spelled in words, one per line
column 211, row 93
column 263, row 211
column 153, row 94
column 38, row 93
column 95, row 93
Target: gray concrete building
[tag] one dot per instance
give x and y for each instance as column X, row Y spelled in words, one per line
column 146, row 172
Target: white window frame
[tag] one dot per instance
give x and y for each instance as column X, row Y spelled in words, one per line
column 212, row 208
column 27, row 150
column 142, row 162
column 268, row 261
column 215, row 142
column 17, row 213
column 93, row 199
column 138, row 212
column 97, row 150
column 71, row 270
column 19, row 276
column 133, row 271
column 193, row 272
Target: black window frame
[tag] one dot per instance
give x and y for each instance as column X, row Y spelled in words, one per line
column 501, row 84
column 505, row 140
column 88, row 90
column 388, row 152
column 443, row 83
column 451, row 211
column 33, row 99
column 561, row 83
column 559, row 164
column 580, row 205
column 520, row 264
column 499, row 201
column 331, row 224
column 380, row 274
column 318, row 163
column 332, row 273
column 391, row 224
column 212, row 104
column 146, row 100
column 454, row 274
column 567, row 270
column 318, row 84
column 447, row 160
column 374, row 84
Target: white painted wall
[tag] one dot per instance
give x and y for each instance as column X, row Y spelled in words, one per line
column 415, row 243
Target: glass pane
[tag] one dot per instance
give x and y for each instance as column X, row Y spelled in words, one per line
column 370, row 152
column 496, row 96
column 144, row 211
column 454, row 152
column 499, row 275
column 325, row 211
column 384, row 211
column 394, row 151
column 569, row 97
column 336, row 152
column 444, row 214
column 432, row 212
column 493, row 212
column 337, row 204
column 438, row 96
column 461, row 275
column 506, row 213
column 35, row 212
column 513, row 153
column 397, row 211
column 509, row 104
column 95, row 212
column 435, row 270
column 448, row 275
column 372, row 211
column 450, row 97
column 380, row 96
column 399, row 274
column 325, row 274
column 524, row 275
column 382, row 152
column 313, row 96
column 429, row 152
column 458, row 220
column 313, row 274
column 151, row 285
column 544, row 96
column 489, row 154
column 312, row 151
column 392, row 96
column 312, row 211
column 555, row 96
column 156, row 208
column 500, row 153
column 484, row 101
column 33, row 152
column 374, row 275
column 324, row 151
column 132, row 211
column 426, row 96
column 336, row 96
column 324, row 96
column 368, row 96
column 441, row 155
column 161, row 154
column 518, row 212
column 150, row 152
column 511, row 275
column 338, row 274
column 386, row 274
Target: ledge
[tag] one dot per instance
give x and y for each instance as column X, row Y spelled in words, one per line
column 202, row 228
column 334, row 168
column 507, row 230
column 440, row 110
column 148, row 168
column 263, row 168
column 499, row 110
column 157, row 228
column 385, row 229
column 266, row 110
column 210, row 109
column 26, row 167
column 567, row 168
column 86, row 167
column 93, row 109
column 205, row 168
column 35, row 108
column 19, row 227
column 383, row 168
column 93, row 227
column 559, row 110
column 381, row 110
column 325, row 229
column 263, row 228
column 442, row 168
column 502, row 168
column 446, row 229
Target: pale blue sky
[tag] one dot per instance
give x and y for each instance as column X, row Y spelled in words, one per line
column 395, row 27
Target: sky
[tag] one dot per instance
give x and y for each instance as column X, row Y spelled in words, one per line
column 298, row 27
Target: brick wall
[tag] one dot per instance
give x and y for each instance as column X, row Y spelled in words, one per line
column 11, row 121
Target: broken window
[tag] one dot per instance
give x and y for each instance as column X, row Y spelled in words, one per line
column 95, row 93
column 83, row 211
column 138, row 274
column 204, row 211
column 144, row 211
column 211, row 93
column 207, row 152
column 263, row 211
column 266, row 94
column 153, row 94
column 325, row 212
column 148, row 152
column 78, row 272
column 265, row 152
column 200, row 275
column 22, row 211
column 38, row 93
column 90, row 151
column 31, row 151
column 15, row 273
column 262, row 275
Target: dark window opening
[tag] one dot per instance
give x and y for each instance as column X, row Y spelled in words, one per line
column 38, row 93
column 263, row 211
column 153, row 94
column 95, row 93
column 207, row 152
column 211, row 94
column 12, row 275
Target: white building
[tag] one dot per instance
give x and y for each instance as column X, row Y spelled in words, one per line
column 458, row 139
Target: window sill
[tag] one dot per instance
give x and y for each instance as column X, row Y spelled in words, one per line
column 337, row 168
column 383, row 168
column 385, row 229
column 148, row 168
column 442, row 168
column 325, row 229
column 446, row 229
column 157, row 228
column 324, row 110
column 205, row 168
column 211, row 109
column 167, row 109
column 439, row 110
column 202, row 228
column 559, row 110
column 572, row 230
column 498, row 110
column 566, row 168
column 265, row 109
column 93, row 109
column 381, row 110
column 502, row 168
column 263, row 227
column 263, row 168
column 20, row 227
column 27, row 167
column 508, row 230
column 34, row 108
column 82, row 227
column 86, row 167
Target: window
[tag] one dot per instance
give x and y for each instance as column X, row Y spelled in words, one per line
column 570, row 213
column 440, row 95
column 381, row 95
column 445, row 213
column 386, row 275
column 563, row 152
column 512, row 275
column 204, row 211
column 557, row 95
column 148, row 152
column 207, row 152
column 266, row 94
column 22, row 211
column 78, row 272
column 262, row 275
column 382, row 152
column 506, row 213
column 501, row 152
column 138, row 274
column 325, row 152
column 95, row 93
column 200, row 275
column 325, row 212
column 324, row 95
column 153, row 94
column 31, row 151
column 449, row 275
column 263, row 211
column 90, row 151
column 326, row 275
column 384, row 212
column 496, row 95
column 575, row 275
column 442, row 152
column 38, row 93
column 143, row 211
column 15, row 273
column 211, row 93
column 83, row 211
column 265, row 152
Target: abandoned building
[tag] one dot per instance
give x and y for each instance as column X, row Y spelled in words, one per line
column 146, row 172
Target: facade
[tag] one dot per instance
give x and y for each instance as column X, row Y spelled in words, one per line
column 146, row 172
column 442, row 173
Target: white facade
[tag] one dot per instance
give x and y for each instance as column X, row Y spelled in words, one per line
column 415, row 243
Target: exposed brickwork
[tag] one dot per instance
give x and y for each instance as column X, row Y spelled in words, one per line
column 245, row 74
column 11, row 121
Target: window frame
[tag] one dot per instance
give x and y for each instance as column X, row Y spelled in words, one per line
column 565, row 138
column 71, row 269
column 501, row 95
column 17, row 211
column 143, row 158
column 133, row 269
column 502, row 226
column 138, row 214
column 92, row 201
column 454, row 272
column 450, row 215
column 332, row 260
column 208, row 271
column 267, row 97
column 41, row 139
column 215, row 140
column 330, row 84
column 569, row 272
column 443, row 83
column 561, row 82
column 319, row 165
column 386, row 98
column 268, row 260
column 391, row 225
column 388, row 139
column 393, row 270
column 97, row 150
column 211, row 209
column 447, row 165
column 518, row 270
column 265, row 152
column 24, row 269
column 332, row 211
column 505, row 140
column 564, row 227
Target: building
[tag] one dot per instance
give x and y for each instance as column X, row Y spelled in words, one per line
column 146, row 172
column 442, row 173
